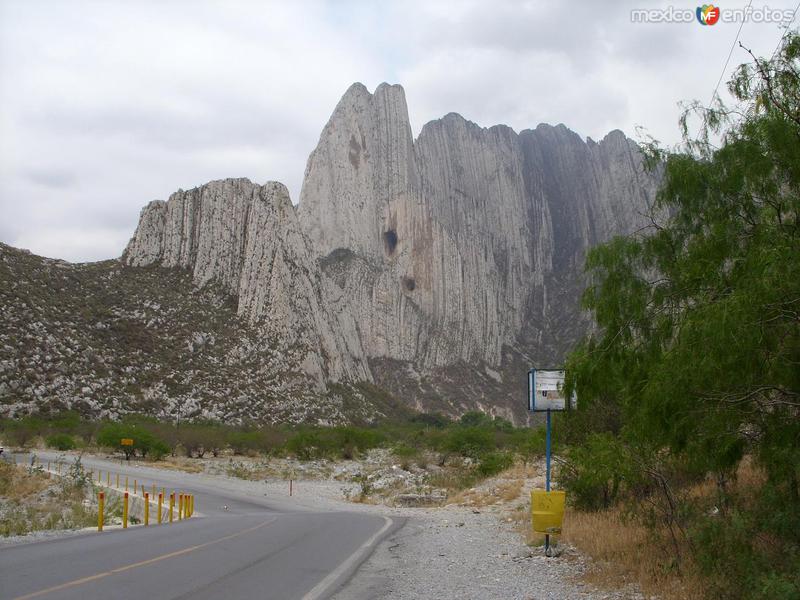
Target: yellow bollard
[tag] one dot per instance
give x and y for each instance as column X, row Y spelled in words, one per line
column 100, row 507
column 117, row 480
column 180, row 506
column 154, row 490
column 189, row 510
column 99, row 474
column 108, row 478
column 125, row 511
column 160, row 504
column 146, row 509
column 134, row 487
column 171, row 505
column 126, row 483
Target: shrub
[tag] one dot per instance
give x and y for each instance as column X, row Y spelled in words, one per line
column 469, row 442
column 592, row 473
column 475, row 418
column 435, row 420
column 60, row 441
column 495, row 462
column 305, row 445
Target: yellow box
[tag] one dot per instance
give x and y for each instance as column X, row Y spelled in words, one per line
column 547, row 511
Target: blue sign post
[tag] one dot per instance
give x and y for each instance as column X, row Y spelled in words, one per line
column 545, row 394
column 547, row 480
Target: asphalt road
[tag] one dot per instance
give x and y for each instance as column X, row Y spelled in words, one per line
column 236, row 546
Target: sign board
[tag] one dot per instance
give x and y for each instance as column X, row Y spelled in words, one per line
column 126, row 442
column 545, row 390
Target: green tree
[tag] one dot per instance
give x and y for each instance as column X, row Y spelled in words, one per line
column 60, row 441
column 112, row 434
column 699, row 344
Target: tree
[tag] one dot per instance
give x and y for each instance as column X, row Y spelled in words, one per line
column 699, row 341
column 112, row 434
column 144, row 441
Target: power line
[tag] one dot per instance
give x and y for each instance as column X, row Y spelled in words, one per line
column 788, row 25
column 730, row 53
column 774, row 52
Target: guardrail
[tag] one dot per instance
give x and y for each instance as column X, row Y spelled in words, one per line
column 143, row 501
column 139, row 501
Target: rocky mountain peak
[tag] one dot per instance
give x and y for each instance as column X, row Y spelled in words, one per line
column 441, row 267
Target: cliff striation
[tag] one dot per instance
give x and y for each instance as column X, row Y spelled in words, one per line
column 462, row 251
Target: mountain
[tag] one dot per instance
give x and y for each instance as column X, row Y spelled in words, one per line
column 461, row 252
column 439, row 269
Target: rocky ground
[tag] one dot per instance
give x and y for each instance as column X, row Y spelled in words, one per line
column 104, row 339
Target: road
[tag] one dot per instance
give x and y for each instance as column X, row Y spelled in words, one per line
column 236, row 546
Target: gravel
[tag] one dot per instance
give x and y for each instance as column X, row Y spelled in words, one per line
column 455, row 553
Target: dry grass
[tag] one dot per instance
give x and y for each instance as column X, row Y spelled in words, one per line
column 504, row 491
column 178, row 463
column 30, row 501
column 18, row 485
column 624, row 551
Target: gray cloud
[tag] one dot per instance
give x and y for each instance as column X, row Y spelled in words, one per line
column 105, row 106
column 50, row 178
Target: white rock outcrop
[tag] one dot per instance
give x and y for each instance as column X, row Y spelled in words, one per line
column 247, row 238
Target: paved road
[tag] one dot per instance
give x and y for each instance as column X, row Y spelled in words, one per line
column 254, row 548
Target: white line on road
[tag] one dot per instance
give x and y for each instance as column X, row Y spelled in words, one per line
column 331, row 578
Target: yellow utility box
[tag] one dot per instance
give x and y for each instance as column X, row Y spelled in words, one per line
column 547, row 511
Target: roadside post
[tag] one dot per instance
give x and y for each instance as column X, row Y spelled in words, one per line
column 546, row 394
column 160, row 505
column 125, row 511
column 100, row 507
column 146, row 509
column 171, row 505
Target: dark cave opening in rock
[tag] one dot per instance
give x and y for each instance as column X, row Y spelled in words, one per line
column 390, row 240
column 409, row 283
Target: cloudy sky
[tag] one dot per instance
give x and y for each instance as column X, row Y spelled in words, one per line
column 105, row 106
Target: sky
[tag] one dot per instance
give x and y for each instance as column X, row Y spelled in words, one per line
column 106, row 105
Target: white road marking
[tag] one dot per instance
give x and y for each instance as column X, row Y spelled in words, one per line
column 318, row 590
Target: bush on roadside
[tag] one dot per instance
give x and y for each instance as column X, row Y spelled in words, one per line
column 469, row 442
column 494, row 463
column 60, row 441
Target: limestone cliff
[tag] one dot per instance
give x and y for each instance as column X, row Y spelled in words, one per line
column 442, row 267
column 247, row 238
column 462, row 251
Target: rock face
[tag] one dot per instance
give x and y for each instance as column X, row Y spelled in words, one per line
column 247, row 238
column 443, row 267
column 461, row 252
